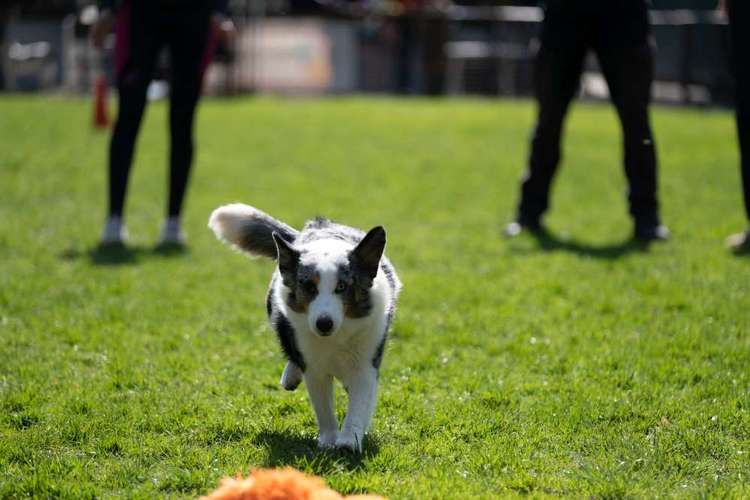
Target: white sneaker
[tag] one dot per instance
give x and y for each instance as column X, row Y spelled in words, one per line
column 114, row 231
column 171, row 232
column 740, row 242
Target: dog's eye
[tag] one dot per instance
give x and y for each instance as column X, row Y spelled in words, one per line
column 340, row 286
column 308, row 286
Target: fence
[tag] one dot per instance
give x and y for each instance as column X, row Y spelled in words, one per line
column 454, row 50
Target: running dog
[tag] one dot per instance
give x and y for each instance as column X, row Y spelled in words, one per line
column 331, row 301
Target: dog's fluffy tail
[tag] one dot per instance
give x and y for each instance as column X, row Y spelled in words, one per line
column 249, row 229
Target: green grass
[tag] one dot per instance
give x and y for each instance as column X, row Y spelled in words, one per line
column 582, row 368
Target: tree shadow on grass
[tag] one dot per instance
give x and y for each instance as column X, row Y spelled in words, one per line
column 119, row 254
column 548, row 241
column 289, row 449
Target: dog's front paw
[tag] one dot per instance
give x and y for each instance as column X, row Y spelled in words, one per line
column 292, row 376
column 327, row 439
column 349, row 441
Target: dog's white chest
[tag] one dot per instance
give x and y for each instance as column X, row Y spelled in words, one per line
column 341, row 354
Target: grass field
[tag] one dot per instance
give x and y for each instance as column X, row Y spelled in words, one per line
column 580, row 367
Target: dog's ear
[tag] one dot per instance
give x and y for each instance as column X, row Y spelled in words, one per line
column 288, row 258
column 366, row 255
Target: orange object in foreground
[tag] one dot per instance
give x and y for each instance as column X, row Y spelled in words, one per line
column 278, row 484
column 101, row 114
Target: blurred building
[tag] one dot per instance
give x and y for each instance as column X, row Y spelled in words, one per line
column 340, row 46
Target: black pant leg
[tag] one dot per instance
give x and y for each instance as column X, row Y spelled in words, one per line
column 625, row 55
column 138, row 43
column 189, row 42
column 557, row 74
column 739, row 28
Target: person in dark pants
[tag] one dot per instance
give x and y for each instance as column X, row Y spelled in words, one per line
column 189, row 30
column 739, row 31
column 619, row 34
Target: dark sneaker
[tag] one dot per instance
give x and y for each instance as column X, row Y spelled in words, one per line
column 739, row 243
column 651, row 232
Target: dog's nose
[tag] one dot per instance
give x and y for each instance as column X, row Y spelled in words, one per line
column 324, row 324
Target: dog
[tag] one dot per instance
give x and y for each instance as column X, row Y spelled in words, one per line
column 331, row 301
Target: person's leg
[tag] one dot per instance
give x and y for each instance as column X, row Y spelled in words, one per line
column 191, row 43
column 557, row 73
column 407, row 48
column 739, row 29
column 625, row 55
column 135, row 60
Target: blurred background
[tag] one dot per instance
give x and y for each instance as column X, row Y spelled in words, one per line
column 414, row 47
